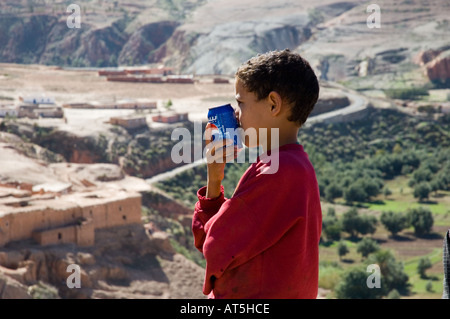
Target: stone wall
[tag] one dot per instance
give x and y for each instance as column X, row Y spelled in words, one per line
column 82, row 234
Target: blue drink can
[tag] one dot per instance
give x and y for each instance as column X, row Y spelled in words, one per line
column 224, row 124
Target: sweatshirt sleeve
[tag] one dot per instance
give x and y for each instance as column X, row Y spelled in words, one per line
column 246, row 225
column 205, row 208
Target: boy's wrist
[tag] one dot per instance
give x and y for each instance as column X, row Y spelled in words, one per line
column 213, row 188
column 208, row 206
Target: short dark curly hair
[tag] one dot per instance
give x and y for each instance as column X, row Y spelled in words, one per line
column 286, row 73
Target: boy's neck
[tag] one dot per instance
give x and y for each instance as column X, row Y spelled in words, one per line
column 284, row 137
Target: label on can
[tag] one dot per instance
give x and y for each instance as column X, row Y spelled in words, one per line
column 224, row 124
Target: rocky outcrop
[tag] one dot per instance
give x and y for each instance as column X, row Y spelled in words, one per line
column 436, row 64
column 438, row 69
column 46, row 39
column 23, row 39
column 126, row 262
column 12, row 289
column 142, row 45
column 423, row 57
column 229, row 44
column 188, row 38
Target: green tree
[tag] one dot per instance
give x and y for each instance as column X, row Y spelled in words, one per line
column 422, row 174
column 367, row 224
column 168, row 105
column 422, row 191
column 332, row 191
column 422, row 266
column 371, row 187
column 393, row 294
column 342, row 249
column 353, row 285
column 355, row 193
column 386, row 192
column 331, row 227
column 393, row 275
column 367, row 246
column 353, row 223
column 332, row 231
column 421, row 219
column 429, row 286
column 350, row 221
column 394, row 222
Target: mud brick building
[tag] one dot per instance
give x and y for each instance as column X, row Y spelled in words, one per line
column 72, row 218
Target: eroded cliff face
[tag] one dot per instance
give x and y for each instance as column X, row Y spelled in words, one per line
column 126, row 262
column 143, row 46
column 214, row 37
column 46, row 39
column 438, row 69
column 435, row 64
column 180, row 38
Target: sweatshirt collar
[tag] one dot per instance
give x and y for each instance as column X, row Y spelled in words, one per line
column 286, row 147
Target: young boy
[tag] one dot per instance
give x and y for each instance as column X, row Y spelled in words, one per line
column 263, row 241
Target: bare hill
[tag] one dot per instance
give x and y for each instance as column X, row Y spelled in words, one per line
column 215, row 36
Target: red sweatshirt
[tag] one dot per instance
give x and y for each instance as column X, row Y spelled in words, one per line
column 263, row 242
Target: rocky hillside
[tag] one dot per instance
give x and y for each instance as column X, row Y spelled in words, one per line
column 111, row 33
column 208, row 37
column 126, row 262
column 134, row 261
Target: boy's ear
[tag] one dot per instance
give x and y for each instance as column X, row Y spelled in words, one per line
column 276, row 103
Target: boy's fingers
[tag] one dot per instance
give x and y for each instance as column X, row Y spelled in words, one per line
column 214, row 145
column 218, row 151
column 211, row 150
column 208, row 133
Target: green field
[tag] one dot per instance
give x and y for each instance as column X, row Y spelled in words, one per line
column 400, row 200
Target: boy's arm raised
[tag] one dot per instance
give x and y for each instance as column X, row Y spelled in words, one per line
column 211, row 197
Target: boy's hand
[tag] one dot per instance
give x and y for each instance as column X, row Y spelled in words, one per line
column 217, row 153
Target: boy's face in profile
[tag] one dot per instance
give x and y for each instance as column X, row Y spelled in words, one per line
column 250, row 112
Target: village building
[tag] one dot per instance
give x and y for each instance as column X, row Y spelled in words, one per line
column 27, row 110
column 180, row 79
column 78, row 106
column 53, row 111
column 54, row 188
column 111, row 73
column 37, row 99
column 170, row 117
column 9, row 110
column 140, row 104
column 136, row 104
column 129, row 122
column 153, row 78
column 221, row 81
